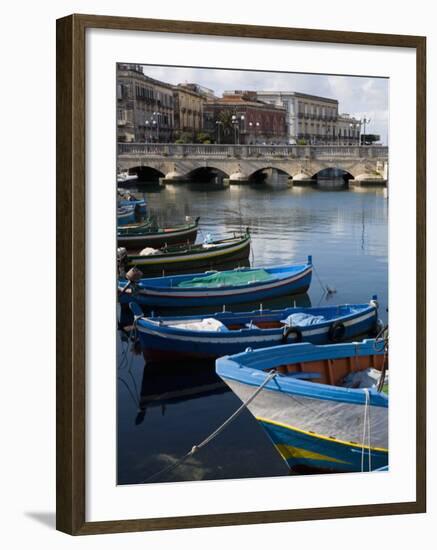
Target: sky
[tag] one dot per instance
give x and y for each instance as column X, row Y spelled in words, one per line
column 358, row 96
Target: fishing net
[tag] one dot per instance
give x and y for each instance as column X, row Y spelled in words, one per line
column 228, row 278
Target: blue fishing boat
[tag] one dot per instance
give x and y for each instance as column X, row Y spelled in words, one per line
column 219, row 288
column 126, row 198
column 319, row 409
column 138, row 204
column 125, row 214
column 211, row 336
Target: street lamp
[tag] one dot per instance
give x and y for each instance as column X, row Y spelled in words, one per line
column 365, row 121
column 236, row 123
column 354, row 126
column 156, row 122
column 251, row 125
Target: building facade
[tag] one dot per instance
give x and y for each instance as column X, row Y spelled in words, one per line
column 314, row 119
column 240, row 117
column 188, row 111
column 348, row 130
column 145, row 106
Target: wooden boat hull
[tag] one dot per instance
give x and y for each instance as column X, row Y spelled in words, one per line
column 153, row 292
column 136, row 239
column 161, row 339
column 314, row 426
column 186, row 261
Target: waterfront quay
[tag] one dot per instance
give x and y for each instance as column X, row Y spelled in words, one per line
column 300, row 164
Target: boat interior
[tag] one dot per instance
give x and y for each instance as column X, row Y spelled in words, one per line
column 333, row 371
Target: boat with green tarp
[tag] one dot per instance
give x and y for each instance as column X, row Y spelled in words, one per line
column 218, row 288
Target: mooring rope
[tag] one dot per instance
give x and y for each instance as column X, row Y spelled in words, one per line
column 381, row 343
column 215, row 433
column 324, row 287
column 366, row 429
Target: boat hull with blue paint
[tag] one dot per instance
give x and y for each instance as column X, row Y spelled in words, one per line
column 312, row 419
column 139, row 205
column 171, row 292
column 211, row 336
column 126, row 214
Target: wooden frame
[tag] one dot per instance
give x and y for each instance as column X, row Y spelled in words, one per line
column 70, row 174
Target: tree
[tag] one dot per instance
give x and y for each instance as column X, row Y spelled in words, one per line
column 184, row 137
column 226, row 126
column 201, row 137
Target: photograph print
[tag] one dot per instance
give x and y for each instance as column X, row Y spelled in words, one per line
column 252, row 263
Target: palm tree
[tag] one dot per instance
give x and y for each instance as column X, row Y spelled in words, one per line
column 225, row 118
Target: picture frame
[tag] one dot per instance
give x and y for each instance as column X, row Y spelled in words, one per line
column 71, row 273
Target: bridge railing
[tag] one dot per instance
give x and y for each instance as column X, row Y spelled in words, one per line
column 251, row 151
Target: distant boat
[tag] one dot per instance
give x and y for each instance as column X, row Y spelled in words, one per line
column 220, row 288
column 148, row 233
column 315, row 422
column 211, row 336
column 125, row 177
column 190, row 257
column 125, row 214
column 125, row 198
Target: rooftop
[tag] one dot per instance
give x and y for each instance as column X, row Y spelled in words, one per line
column 297, row 94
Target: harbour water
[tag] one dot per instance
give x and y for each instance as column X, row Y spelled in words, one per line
column 163, row 410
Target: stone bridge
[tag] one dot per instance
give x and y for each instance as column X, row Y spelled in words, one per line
column 177, row 162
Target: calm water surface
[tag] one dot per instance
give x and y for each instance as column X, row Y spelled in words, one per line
column 163, row 410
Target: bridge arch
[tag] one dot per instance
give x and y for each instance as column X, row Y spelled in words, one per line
column 332, row 177
column 147, row 173
column 206, row 174
column 260, row 174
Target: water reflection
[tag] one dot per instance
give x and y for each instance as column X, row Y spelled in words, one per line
column 164, row 385
column 164, row 410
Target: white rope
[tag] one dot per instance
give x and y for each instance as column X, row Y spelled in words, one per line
column 368, row 431
column 216, row 432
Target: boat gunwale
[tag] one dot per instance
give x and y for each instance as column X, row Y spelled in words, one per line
column 136, row 228
column 154, row 322
column 242, row 242
column 229, row 367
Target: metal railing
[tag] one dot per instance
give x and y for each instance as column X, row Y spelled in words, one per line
column 194, row 150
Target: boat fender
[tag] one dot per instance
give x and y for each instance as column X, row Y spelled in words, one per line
column 336, row 331
column 134, row 274
column 291, row 330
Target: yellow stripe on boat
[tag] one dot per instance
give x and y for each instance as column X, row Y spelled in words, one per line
column 160, row 258
column 287, row 451
column 319, row 436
